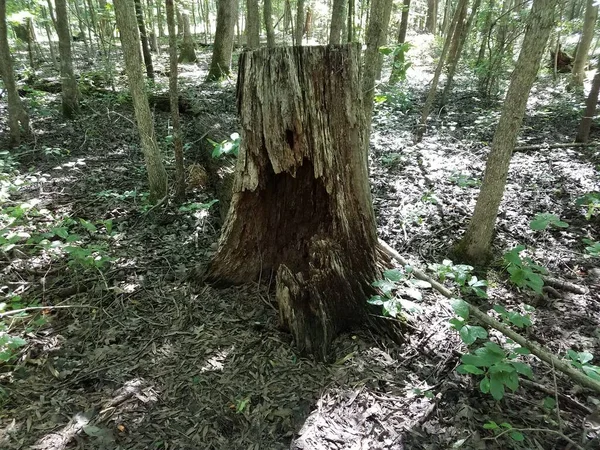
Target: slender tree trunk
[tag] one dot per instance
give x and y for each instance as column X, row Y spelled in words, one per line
column 485, row 34
column 70, row 101
column 431, row 23
column 188, row 53
column 174, row 102
column 220, row 65
column 46, row 19
column 18, row 120
column 350, row 26
column 144, row 39
column 376, row 36
column 475, row 245
column 130, row 39
column 438, row 72
column 583, row 134
column 301, row 206
column 160, row 19
column 338, row 15
column 252, row 24
column 455, row 53
column 299, row 22
column 394, row 77
column 82, row 31
column 581, row 58
column 268, row 16
column 447, row 16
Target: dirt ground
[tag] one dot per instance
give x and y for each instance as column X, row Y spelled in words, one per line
column 145, row 358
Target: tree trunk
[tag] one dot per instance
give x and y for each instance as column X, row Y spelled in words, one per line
column 252, row 25
column 220, row 65
column 299, row 31
column 144, row 39
column 130, row 42
column 431, row 22
column 485, row 33
column 475, row 245
column 376, row 36
column 447, row 16
column 188, row 54
column 456, row 49
column 583, row 134
column 338, row 16
column 438, row 72
column 70, row 102
column 395, row 75
column 160, row 19
column 268, row 16
column 174, row 102
column 301, row 206
column 350, row 26
column 581, row 58
column 17, row 116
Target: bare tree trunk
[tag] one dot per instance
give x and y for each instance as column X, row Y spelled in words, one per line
column 301, row 206
column 475, row 245
column 268, row 16
column 376, row 36
column 174, row 102
column 299, row 22
column 70, row 101
column 350, row 26
column 438, row 72
column 485, row 33
column 456, row 50
column 82, row 31
column 583, row 134
column 130, row 42
column 144, row 39
column 220, row 65
column 338, row 16
column 18, row 120
column 252, row 24
column 188, row 53
column 581, row 58
column 160, row 19
column 431, row 22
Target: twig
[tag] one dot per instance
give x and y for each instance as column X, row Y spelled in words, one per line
column 549, row 146
column 37, row 308
column 565, row 398
column 539, row 430
column 535, row 348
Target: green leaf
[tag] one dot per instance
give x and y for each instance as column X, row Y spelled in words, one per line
column 456, row 323
column 484, row 385
column 475, row 360
column 549, row 403
column 471, row 369
column 544, row 220
column 496, row 386
column 491, row 425
column 517, row 436
column 584, row 357
column 393, row 275
column 386, row 286
column 420, row 283
column 502, row 367
column 522, row 369
column 376, row 300
column 88, row 225
column 512, row 257
column 495, row 348
column 470, row 333
column 511, row 380
column 460, row 307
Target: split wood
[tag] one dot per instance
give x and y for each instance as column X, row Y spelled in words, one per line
column 535, row 348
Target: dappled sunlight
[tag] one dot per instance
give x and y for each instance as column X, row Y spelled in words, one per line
column 216, row 362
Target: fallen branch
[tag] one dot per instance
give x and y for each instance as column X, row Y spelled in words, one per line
column 565, row 285
column 549, row 146
column 535, row 348
column 37, row 308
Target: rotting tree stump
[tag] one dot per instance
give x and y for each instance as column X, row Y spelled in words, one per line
column 301, row 206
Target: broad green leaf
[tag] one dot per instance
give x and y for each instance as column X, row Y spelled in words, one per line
column 386, row 286
column 517, row 436
column 470, row 333
column 484, row 385
column 474, row 360
column 393, row 275
column 460, row 307
column 584, row 357
column 496, row 387
column 456, row 323
column 523, row 369
column 472, row 369
column 544, row 220
column 376, row 300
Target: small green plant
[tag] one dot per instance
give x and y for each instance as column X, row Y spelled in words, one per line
column 191, row 207
column 542, row 221
column 593, row 248
column 581, row 361
column 461, row 275
column 591, row 201
column 396, row 285
column 524, row 273
column 514, row 318
column 464, row 181
column 504, row 428
column 226, row 147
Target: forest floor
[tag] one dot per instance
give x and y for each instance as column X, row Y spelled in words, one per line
column 134, row 355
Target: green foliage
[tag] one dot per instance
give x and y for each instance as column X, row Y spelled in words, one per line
column 513, row 318
column 593, row 248
column 226, row 147
column 400, row 64
column 581, row 361
column 591, row 201
column 461, row 275
column 464, row 181
column 545, row 220
column 191, row 207
column 396, row 285
column 524, row 273
column 504, row 428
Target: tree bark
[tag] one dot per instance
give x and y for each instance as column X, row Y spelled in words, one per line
column 174, row 103
column 431, row 22
column 220, row 65
column 130, row 39
column 17, row 116
column 394, row 76
column 252, row 25
column 475, row 245
column 188, row 53
column 583, row 134
column 376, row 36
column 299, row 31
column 301, row 206
column 581, row 58
column 70, row 101
column 350, row 26
column 268, row 16
column 144, row 39
column 338, row 16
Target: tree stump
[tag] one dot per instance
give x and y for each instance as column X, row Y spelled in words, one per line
column 301, row 208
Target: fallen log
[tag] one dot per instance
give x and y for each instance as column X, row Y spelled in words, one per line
column 550, row 146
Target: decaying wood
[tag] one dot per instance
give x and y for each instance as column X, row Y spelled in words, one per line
column 301, row 206
column 543, row 354
column 549, row 146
